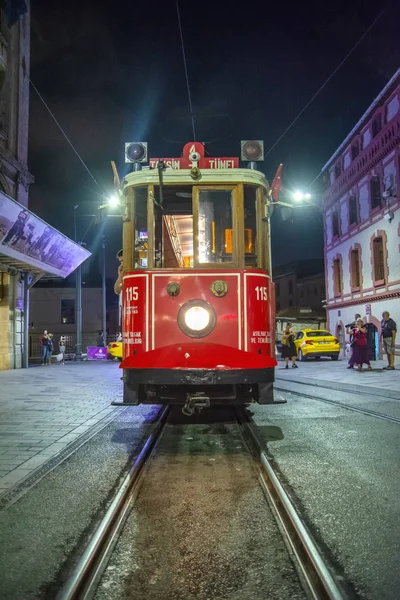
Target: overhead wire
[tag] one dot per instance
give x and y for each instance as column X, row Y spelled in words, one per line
column 186, row 70
column 325, row 84
column 64, row 133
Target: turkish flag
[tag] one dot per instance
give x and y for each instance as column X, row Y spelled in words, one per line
column 276, row 185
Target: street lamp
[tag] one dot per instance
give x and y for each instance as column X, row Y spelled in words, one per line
column 299, row 196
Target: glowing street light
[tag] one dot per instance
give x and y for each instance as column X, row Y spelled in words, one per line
column 113, row 200
column 299, row 196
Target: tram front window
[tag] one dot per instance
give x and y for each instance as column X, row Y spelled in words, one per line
column 173, row 242
column 214, row 226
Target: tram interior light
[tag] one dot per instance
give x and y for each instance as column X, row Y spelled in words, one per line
column 135, row 152
column 252, row 150
column 197, row 318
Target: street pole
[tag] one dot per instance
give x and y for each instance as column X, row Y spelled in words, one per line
column 78, row 298
column 104, row 290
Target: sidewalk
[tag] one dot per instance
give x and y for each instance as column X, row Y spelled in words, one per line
column 335, row 375
column 45, row 409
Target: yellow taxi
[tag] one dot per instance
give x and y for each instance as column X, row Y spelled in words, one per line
column 114, row 350
column 314, row 343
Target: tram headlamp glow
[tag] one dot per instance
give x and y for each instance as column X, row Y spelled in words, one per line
column 197, row 318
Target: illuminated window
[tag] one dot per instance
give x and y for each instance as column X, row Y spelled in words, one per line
column 379, row 261
column 215, row 226
column 355, row 269
column 337, row 277
column 68, row 312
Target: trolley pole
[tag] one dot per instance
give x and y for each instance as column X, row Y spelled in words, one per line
column 78, row 298
column 104, row 290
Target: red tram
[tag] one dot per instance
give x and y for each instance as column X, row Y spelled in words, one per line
column 197, row 296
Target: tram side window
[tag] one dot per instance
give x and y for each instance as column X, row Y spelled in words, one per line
column 141, row 231
column 250, row 226
column 215, row 226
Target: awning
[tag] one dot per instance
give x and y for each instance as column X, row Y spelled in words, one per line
column 27, row 243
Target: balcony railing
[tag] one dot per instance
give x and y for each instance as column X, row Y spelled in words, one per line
column 379, row 147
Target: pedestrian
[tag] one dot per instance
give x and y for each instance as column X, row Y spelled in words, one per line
column 44, row 342
column 389, row 331
column 288, row 347
column 351, row 326
column 62, row 350
column 101, row 340
column 119, row 337
column 50, row 346
column 360, row 348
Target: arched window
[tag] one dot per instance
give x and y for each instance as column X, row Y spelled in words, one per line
column 378, row 261
column 337, row 277
column 355, row 269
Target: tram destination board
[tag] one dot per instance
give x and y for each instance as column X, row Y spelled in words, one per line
column 193, row 156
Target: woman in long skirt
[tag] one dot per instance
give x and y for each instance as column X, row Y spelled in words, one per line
column 360, row 348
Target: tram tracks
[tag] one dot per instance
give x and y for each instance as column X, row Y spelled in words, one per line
column 359, row 409
column 318, row 580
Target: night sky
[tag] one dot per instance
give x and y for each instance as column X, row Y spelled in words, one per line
column 114, row 73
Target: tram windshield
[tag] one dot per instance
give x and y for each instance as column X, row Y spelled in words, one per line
column 188, row 226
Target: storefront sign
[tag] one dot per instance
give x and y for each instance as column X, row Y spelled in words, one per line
column 25, row 237
column 96, row 353
column 193, row 156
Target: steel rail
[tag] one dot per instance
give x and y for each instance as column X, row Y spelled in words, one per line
column 321, row 582
column 87, row 570
column 365, row 411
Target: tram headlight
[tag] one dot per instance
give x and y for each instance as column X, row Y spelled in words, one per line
column 197, row 318
column 135, row 152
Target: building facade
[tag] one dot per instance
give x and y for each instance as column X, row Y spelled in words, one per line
column 299, row 295
column 361, row 220
column 14, row 174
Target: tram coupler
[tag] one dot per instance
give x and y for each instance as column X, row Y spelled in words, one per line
column 195, row 403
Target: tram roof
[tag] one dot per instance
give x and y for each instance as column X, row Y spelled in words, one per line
column 208, row 177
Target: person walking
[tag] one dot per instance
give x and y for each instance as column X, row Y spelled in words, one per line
column 389, row 331
column 360, row 348
column 44, row 342
column 351, row 326
column 288, row 347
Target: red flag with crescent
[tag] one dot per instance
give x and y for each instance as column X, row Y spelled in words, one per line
column 276, row 185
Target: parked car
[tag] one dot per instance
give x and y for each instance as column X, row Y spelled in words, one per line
column 114, row 350
column 314, row 343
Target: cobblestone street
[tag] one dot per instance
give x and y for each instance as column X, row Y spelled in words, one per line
column 44, row 410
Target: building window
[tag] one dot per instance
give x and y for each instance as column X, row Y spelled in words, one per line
column 355, row 150
column 353, row 210
column 277, row 289
column 290, row 287
column 68, row 312
column 379, row 261
column 335, row 224
column 376, row 125
column 338, row 170
column 355, row 274
column 337, row 277
column 375, row 191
